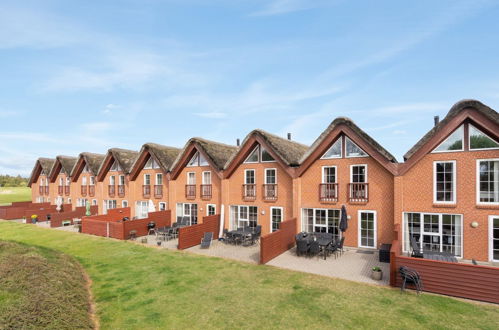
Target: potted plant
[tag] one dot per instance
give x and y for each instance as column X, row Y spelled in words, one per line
column 377, row 273
column 34, row 218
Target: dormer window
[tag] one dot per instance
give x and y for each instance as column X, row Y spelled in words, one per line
column 197, row 160
column 334, row 151
column 151, row 163
column 115, row 167
column 454, row 142
column 353, row 150
column 259, row 154
column 85, row 169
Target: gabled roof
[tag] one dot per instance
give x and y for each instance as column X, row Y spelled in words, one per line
column 344, row 125
column 93, row 161
column 62, row 162
column 125, row 158
column 216, row 153
column 42, row 166
column 165, row 156
column 286, row 151
column 453, row 112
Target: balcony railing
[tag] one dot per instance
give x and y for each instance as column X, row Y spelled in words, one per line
column 67, row 190
column 249, row 192
column 91, row 190
column 205, row 191
column 60, row 190
column 121, row 190
column 111, row 190
column 358, row 192
column 270, row 192
column 41, row 190
column 328, row 192
column 47, row 190
column 84, row 190
column 146, row 190
column 158, row 191
column 190, row 191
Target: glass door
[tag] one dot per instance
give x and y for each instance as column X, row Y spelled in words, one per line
column 367, row 229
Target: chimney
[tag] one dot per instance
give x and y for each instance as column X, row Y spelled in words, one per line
column 436, row 119
column 238, row 143
column 289, row 136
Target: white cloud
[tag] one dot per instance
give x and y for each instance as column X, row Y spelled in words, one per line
column 279, row 7
column 110, row 107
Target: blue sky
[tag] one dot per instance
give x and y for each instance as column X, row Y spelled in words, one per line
column 89, row 75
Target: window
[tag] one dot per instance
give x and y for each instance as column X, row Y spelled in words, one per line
column 94, row 202
column 202, row 160
column 258, row 154
column 353, row 150
column 85, row 169
column 266, row 156
column 147, row 179
column 329, row 174
column 121, row 180
column 159, row 179
column 249, row 176
column 433, row 231
column 115, row 167
column 198, row 160
column 112, row 180
column 211, row 209
column 494, row 238
column 270, row 176
column 358, row 173
column 243, row 216
column 69, row 201
column 141, row 209
column 321, row 221
column 444, row 182
column 84, row 181
column 367, row 229
column 334, row 151
column 162, row 206
column 453, row 143
column 92, row 181
column 488, row 181
column 206, row 177
column 188, row 210
column 191, row 178
column 124, row 203
column 480, row 140
column 68, row 181
column 61, row 182
column 276, row 217
column 151, row 163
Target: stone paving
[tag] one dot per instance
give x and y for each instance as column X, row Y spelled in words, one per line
column 219, row 249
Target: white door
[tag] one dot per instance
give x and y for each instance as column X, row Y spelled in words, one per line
column 275, row 218
column 494, row 238
column 367, row 229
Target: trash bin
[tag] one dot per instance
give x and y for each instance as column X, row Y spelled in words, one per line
column 384, row 253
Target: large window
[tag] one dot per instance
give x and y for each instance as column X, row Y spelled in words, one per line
column 141, row 209
column 188, row 210
column 353, row 150
column 249, row 176
column 329, row 174
column 151, row 163
column 488, row 181
column 259, row 154
column 444, row 182
column 270, row 176
column 191, row 178
column 434, row 232
column 453, row 143
column 479, row 140
column 115, row 167
column 367, row 229
column 206, row 177
column 197, row 160
column 243, row 216
column 276, row 217
column 334, row 151
column 358, row 173
column 321, row 221
column 494, row 238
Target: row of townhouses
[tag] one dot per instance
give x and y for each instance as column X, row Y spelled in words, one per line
column 445, row 193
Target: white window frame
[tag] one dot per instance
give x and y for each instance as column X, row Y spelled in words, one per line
column 124, row 203
column 84, row 181
column 69, row 200
column 454, row 185
column 335, row 174
column 346, row 153
column 491, row 238
column 92, row 180
column 211, row 205
column 202, row 177
column 112, row 180
column 188, row 178
column 261, row 156
column 159, row 206
column 469, row 139
column 254, row 175
column 351, row 173
column 265, row 175
column 270, row 217
column 477, row 183
column 246, row 161
column 156, row 178
column 359, row 220
column 94, row 202
column 435, row 151
column 341, row 149
column 145, row 181
column 119, row 179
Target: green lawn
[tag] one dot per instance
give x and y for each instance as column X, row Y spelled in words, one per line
column 139, row 287
column 14, row 194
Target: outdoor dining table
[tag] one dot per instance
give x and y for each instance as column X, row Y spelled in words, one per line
column 163, row 232
column 323, row 242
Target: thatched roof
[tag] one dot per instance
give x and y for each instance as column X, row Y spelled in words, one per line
column 67, row 164
column 46, row 164
column 219, row 153
column 363, row 135
column 93, row 161
column 125, row 158
column 453, row 112
column 164, row 154
column 289, row 151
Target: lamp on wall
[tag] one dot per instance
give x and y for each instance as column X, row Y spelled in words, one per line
column 474, row 224
column 263, row 212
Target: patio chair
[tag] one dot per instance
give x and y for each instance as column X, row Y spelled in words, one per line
column 256, row 234
column 185, row 221
column 314, row 248
column 333, row 249
column 206, row 240
column 416, row 251
column 340, row 245
column 410, row 276
column 301, row 247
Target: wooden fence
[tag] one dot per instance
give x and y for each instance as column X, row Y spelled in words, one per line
column 278, row 242
column 17, row 209
column 192, row 235
column 56, row 219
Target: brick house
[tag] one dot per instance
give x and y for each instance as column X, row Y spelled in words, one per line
column 60, row 179
column 84, row 187
column 39, row 182
column 196, row 179
column 345, row 166
column 447, row 191
column 258, row 181
column 113, row 175
column 149, row 179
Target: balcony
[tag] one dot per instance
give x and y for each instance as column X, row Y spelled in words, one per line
column 249, row 192
column 111, row 190
column 358, row 192
column 41, row 190
column 121, row 190
column 190, row 191
column 47, row 190
column 270, row 192
column 91, row 190
column 158, row 191
column 146, row 190
column 67, row 190
column 206, row 191
column 60, row 190
column 328, row 192
column 84, row 190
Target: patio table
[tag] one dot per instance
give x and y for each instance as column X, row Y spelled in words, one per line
column 440, row 257
column 163, row 232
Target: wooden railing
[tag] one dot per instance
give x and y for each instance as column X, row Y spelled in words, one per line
column 84, row 190
column 206, row 191
column 121, row 190
column 91, row 190
column 249, row 192
column 270, row 192
column 158, row 191
column 146, row 190
column 190, row 191
column 358, row 192
column 60, row 190
column 328, row 192
column 67, row 190
column 111, row 189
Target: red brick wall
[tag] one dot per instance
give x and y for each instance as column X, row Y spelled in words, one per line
column 278, row 242
column 17, row 209
column 192, row 235
column 57, row 218
column 136, row 190
column 41, row 212
column 113, row 215
column 160, row 218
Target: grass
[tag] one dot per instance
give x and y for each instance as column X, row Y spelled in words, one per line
column 41, row 288
column 141, row 287
column 14, row 194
